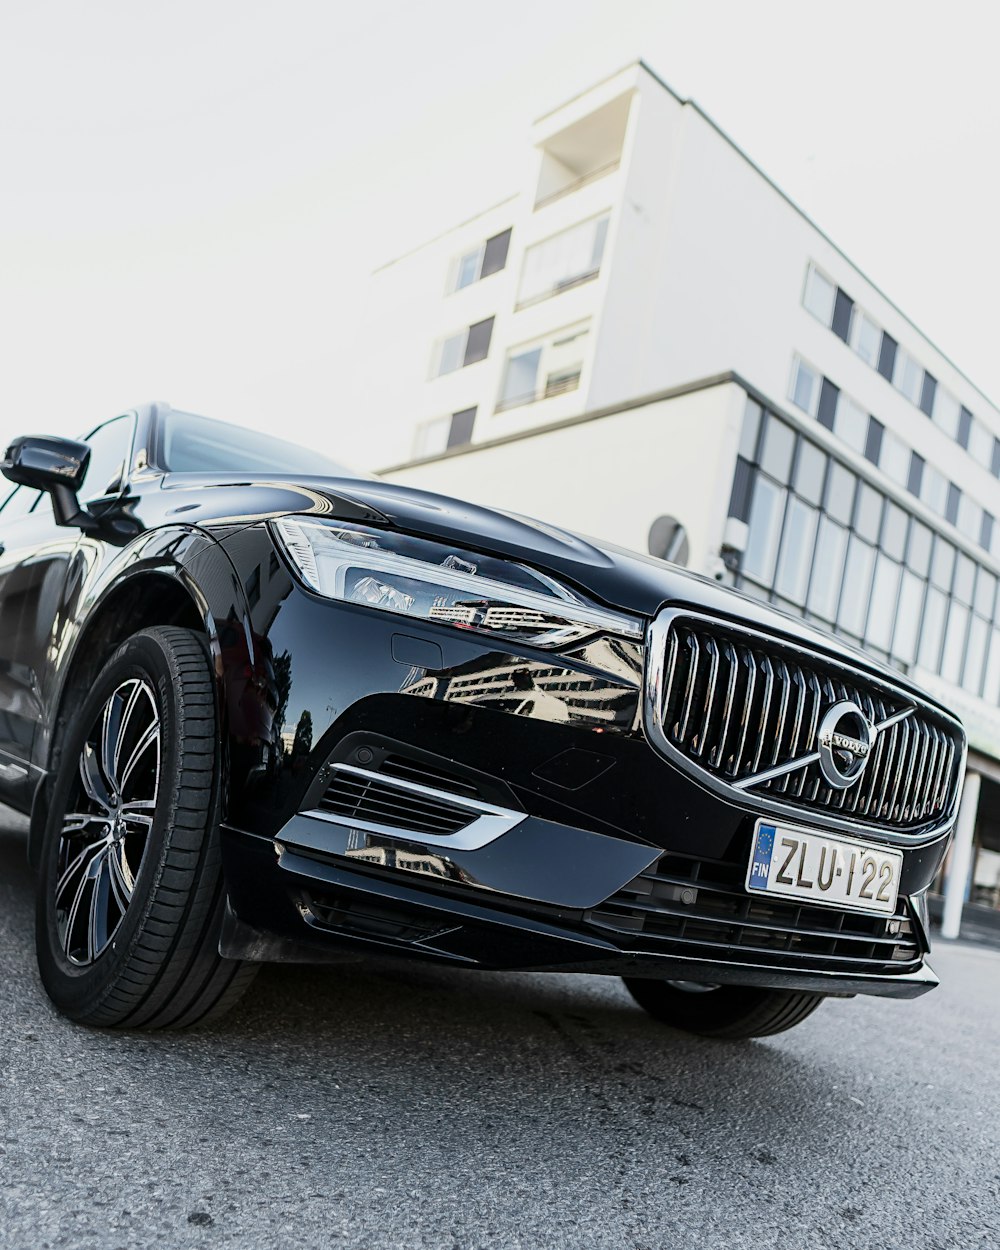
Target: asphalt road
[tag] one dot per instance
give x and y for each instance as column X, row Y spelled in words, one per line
column 384, row 1106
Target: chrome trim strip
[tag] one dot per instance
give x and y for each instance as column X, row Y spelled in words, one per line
column 779, row 770
column 488, row 821
column 803, row 761
column 15, row 769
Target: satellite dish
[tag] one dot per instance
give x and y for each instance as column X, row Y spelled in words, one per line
column 668, row 540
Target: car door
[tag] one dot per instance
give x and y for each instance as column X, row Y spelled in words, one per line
column 36, row 557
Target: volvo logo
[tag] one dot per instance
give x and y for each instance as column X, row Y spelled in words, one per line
column 844, row 742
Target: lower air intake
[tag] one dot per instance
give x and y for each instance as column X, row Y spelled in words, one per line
column 680, row 903
column 356, row 795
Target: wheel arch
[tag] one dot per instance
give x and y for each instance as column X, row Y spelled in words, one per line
column 149, row 591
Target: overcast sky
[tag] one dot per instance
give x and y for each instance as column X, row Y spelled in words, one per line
column 193, row 194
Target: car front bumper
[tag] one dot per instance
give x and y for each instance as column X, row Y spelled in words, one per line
column 290, row 903
column 592, row 851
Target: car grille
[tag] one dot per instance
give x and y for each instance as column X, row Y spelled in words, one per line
column 355, row 795
column 703, row 903
column 744, row 708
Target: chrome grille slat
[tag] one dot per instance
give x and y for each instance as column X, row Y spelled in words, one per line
column 936, row 754
column 692, row 682
column 727, row 713
column 910, row 805
column 713, row 672
column 950, row 751
column 869, row 783
column 765, row 708
column 904, row 767
column 810, row 738
column 669, row 673
column 751, row 667
column 794, row 749
column 779, row 731
column 867, row 704
column 741, row 706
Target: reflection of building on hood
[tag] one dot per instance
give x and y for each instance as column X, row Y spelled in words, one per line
column 556, row 693
column 536, row 700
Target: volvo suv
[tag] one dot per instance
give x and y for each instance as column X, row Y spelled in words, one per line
column 260, row 708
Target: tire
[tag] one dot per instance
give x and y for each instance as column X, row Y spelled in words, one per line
column 130, row 889
column 732, row 1012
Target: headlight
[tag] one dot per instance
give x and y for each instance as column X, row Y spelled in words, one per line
column 433, row 582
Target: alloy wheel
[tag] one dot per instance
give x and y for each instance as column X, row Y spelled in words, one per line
column 106, row 827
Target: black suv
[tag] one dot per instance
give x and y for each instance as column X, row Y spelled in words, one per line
column 261, row 708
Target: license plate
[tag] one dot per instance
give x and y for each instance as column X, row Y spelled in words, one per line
column 815, row 868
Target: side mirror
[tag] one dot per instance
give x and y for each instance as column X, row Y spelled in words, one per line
column 56, row 465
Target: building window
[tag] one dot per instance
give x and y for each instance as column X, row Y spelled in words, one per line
column 969, row 517
column 805, row 387
column 820, row 294
column 915, row 482
column 431, row 437
column 468, row 268
column 927, row 394
column 462, row 423
column 832, row 306
column 451, row 353
column 946, row 412
column 843, row 313
column 827, row 544
column 964, row 427
column 464, row 348
column 542, row 370
column 894, row 458
column 495, row 253
column 887, row 356
column 866, row 338
column 934, row 490
column 873, row 444
column 829, row 398
column 520, row 381
column 980, row 446
column 486, row 258
column 851, row 424
column 908, row 376
column 567, row 259
column 441, row 433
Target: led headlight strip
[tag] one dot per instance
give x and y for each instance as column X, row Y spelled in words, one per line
column 418, row 578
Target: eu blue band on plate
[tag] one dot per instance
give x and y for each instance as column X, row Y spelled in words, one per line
column 762, row 852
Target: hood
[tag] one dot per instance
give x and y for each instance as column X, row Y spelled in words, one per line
column 618, row 578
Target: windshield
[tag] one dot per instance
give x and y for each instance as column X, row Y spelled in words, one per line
column 192, row 444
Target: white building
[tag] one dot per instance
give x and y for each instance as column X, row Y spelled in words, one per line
column 649, row 328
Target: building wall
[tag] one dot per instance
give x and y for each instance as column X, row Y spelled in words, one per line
column 704, row 274
column 611, row 477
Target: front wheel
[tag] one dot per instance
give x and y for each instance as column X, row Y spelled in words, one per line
column 732, row 1012
column 130, row 889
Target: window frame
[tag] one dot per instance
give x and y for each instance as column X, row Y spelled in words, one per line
column 573, row 280
column 127, row 467
column 479, row 253
column 546, row 345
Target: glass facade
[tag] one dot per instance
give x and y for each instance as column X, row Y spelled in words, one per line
column 821, row 398
column 826, row 544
